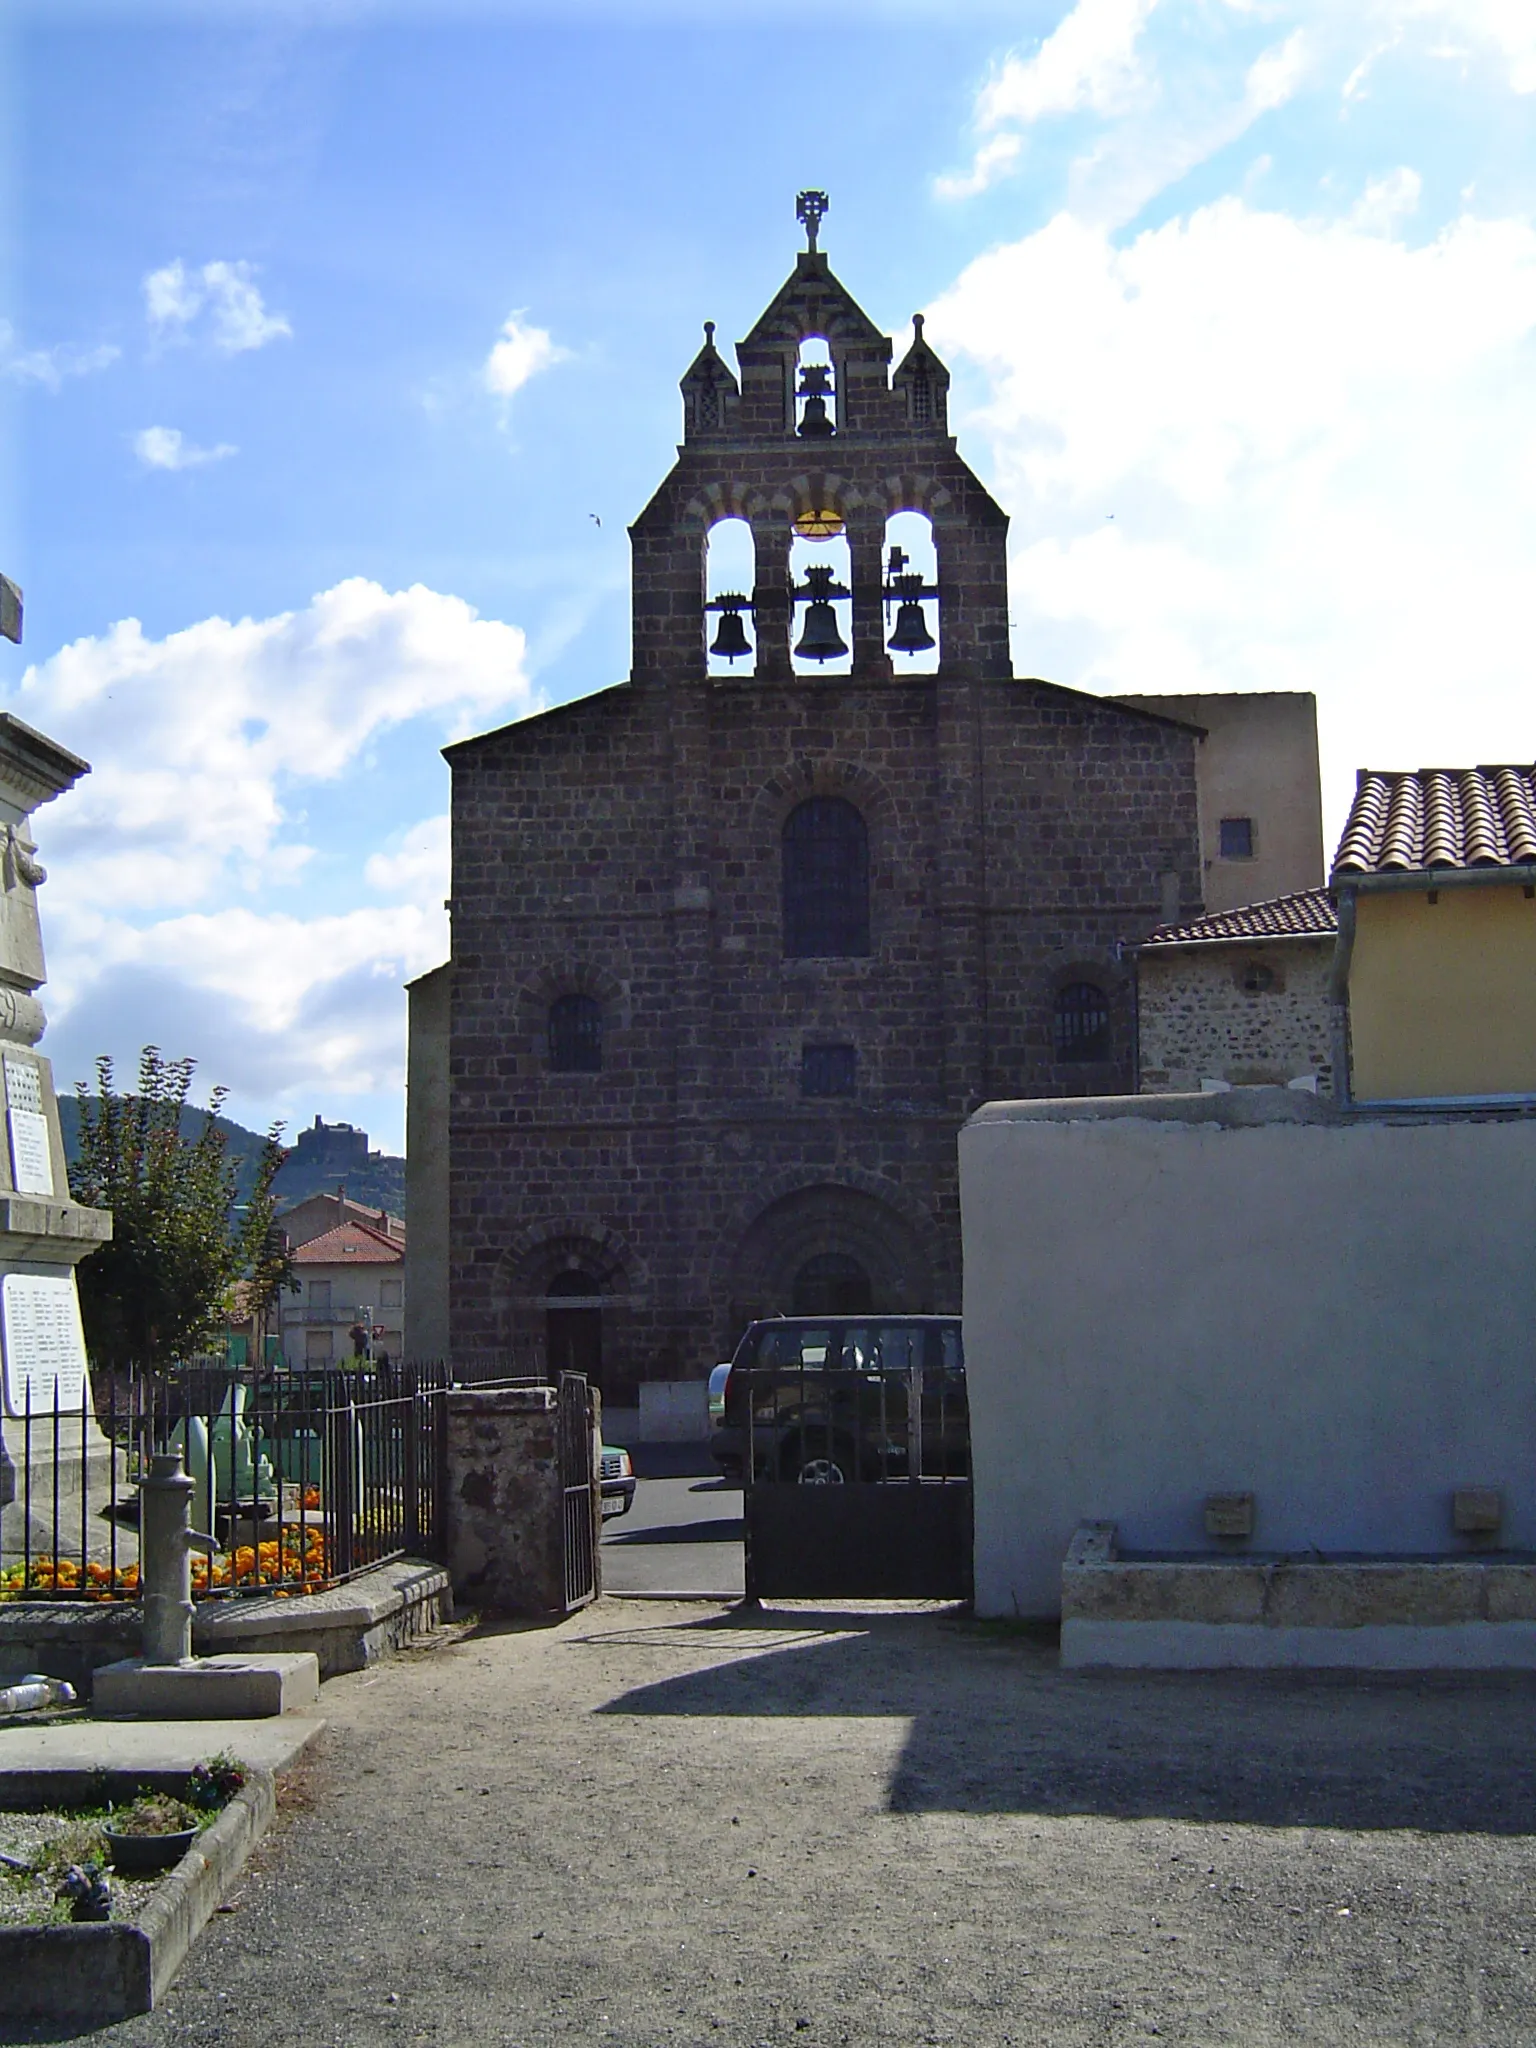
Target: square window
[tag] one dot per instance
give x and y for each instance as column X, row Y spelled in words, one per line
column 1237, row 839
column 827, row 1069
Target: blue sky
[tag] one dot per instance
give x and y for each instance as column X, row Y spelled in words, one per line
column 328, row 328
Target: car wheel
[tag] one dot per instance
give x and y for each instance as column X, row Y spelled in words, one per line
column 806, row 1466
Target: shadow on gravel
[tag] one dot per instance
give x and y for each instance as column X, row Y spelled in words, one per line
column 998, row 1728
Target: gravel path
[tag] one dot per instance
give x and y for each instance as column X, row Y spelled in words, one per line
column 665, row 1824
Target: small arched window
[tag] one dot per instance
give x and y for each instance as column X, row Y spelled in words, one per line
column 1082, row 1022
column 576, row 1035
column 826, row 881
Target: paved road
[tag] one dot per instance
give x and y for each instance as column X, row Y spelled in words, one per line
column 683, row 1534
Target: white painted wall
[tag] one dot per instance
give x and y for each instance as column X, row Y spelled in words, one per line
column 1170, row 1296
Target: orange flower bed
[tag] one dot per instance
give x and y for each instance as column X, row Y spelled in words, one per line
column 294, row 1562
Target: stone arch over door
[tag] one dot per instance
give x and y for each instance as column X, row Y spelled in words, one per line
column 816, row 1227
column 563, row 1294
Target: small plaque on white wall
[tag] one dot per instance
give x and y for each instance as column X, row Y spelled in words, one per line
column 42, row 1343
column 31, row 1158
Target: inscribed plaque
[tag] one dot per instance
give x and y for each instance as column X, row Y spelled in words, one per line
column 31, row 1159
column 42, row 1342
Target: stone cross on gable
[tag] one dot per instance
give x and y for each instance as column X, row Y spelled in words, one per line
column 809, row 209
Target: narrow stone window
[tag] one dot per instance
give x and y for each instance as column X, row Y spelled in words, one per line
column 828, row 1069
column 1256, row 979
column 576, row 1035
column 825, row 881
column 1237, row 839
column 1082, row 1022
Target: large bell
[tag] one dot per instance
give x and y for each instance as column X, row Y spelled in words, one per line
column 815, row 385
column 821, row 641
column 911, row 634
column 731, row 640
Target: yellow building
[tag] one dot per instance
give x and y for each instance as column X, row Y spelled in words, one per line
column 1435, row 882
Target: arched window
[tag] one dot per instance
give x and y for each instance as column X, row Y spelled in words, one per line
column 826, row 881
column 730, row 571
column 576, row 1035
column 815, row 390
column 911, row 594
column 1082, row 1022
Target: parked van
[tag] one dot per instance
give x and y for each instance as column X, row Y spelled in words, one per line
column 827, row 1400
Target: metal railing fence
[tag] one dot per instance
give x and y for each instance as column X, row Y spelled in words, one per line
column 305, row 1478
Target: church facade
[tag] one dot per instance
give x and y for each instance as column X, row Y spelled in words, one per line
column 740, row 942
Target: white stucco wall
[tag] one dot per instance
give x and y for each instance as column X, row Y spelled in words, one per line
column 1172, row 1296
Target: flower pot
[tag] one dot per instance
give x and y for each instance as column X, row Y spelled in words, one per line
column 133, row 1855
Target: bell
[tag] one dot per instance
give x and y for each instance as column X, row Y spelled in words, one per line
column 815, row 383
column 821, row 641
column 911, row 635
column 731, row 641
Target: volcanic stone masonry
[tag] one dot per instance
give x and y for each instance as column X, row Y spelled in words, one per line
column 734, row 955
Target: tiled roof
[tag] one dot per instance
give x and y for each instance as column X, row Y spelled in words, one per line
column 1308, row 915
column 1439, row 818
column 350, row 1244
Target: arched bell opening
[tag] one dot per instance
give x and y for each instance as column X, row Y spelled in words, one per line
column 911, row 594
column 815, row 391
column 730, row 570
column 821, row 585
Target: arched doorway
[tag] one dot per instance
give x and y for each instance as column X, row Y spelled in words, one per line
column 827, row 1250
column 573, row 1325
column 832, row 1284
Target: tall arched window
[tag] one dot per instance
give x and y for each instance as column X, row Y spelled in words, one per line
column 826, row 881
column 576, row 1035
column 1082, row 1022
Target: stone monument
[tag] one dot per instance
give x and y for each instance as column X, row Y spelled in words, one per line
column 43, row 1234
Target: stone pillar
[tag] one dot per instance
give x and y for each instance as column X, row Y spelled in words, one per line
column 772, row 613
column 505, row 1502
column 866, row 547
column 43, row 1234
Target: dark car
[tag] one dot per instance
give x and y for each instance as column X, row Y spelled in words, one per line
column 828, row 1400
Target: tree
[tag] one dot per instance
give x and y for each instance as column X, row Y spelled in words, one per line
column 162, row 1288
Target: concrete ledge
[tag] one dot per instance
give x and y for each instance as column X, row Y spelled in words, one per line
column 95, row 1975
column 349, row 1627
column 1391, row 1614
column 226, row 1688
column 1248, row 1646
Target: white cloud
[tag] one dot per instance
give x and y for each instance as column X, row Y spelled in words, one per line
column 201, row 738
column 1088, row 60
column 168, row 448
column 50, row 366
column 176, row 904
column 417, row 865
column 1506, row 26
column 521, row 353
column 174, row 297
column 1318, row 445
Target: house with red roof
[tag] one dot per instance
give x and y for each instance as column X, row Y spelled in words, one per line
column 351, row 1298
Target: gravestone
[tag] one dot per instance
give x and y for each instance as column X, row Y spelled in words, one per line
column 43, row 1234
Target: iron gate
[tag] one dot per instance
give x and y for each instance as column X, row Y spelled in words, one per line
column 857, row 1483
column 579, row 1504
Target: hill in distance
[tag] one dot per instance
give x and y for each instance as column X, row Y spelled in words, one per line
column 380, row 1184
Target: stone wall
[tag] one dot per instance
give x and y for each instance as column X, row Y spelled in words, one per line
column 628, row 847
column 1201, row 1018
